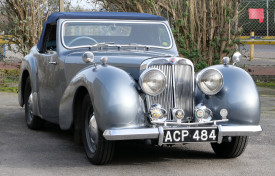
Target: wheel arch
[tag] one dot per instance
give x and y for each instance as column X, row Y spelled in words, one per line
column 77, row 104
column 29, row 69
column 25, row 75
column 71, row 102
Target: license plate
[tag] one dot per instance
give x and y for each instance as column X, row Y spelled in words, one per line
column 190, row 135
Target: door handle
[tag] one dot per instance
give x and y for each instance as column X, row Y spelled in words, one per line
column 54, row 63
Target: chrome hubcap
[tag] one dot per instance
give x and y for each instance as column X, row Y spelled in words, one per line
column 30, row 109
column 92, row 133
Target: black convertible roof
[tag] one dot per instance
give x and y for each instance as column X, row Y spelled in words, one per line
column 102, row 15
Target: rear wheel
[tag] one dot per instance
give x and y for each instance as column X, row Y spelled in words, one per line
column 231, row 149
column 33, row 122
column 98, row 150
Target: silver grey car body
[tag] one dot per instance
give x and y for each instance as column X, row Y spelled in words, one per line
column 59, row 77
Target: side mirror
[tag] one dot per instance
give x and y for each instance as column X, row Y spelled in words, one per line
column 88, row 57
column 237, row 56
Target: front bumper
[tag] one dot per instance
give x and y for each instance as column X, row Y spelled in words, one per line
column 157, row 133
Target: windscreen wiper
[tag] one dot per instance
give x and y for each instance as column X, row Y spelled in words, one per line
column 136, row 45
column 112, row 44
column 102, row 44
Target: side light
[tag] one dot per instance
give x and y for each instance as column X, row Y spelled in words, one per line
column 225, row 60
column 202, row 113
column 157, row 113
column 88, row 57
column 224, row 113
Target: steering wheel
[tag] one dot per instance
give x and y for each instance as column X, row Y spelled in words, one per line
column 81, row 38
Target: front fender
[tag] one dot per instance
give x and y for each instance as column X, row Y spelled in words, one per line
column 239, row 96
column 29, row 68
column 115, row 100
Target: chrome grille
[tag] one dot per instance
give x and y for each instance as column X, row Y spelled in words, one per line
column 180, row 97
column 184, row 88
column 166, row 98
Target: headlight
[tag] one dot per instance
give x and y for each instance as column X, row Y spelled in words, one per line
column 210, row 81
column 152, row 81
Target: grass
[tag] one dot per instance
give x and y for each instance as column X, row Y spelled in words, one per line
column 9, row 89
column 8, row 80
column 266, row 84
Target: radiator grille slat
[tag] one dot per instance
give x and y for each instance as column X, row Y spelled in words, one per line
column 183, row 99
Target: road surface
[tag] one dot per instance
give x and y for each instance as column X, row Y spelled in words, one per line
column 53, row 152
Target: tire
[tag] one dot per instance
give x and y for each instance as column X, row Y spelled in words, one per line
column 98, row 150
column 33, row 122
column 231, row 149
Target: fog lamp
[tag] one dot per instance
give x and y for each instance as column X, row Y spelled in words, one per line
column 203, row 114
column 200, row 113
column 179, row 114
column 157, row 113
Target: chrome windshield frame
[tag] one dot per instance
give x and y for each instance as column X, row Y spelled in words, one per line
column 117, row 21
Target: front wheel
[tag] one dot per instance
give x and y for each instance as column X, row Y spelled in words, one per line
column 231, row 149
column 98, row 150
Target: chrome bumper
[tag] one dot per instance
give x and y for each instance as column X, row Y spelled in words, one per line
column 157, row 133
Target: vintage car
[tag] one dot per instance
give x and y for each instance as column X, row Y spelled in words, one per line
column 118, row 76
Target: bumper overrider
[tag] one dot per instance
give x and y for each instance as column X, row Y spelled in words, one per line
column 173, row 132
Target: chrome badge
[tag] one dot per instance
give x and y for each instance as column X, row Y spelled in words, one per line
column 173, row 60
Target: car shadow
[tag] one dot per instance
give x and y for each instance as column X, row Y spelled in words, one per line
column 137, row 152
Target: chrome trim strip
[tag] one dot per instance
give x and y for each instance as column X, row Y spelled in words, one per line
column 174, row 87
column 169, row 89
column 241, row 130
column 129, row 134
column 112, row 21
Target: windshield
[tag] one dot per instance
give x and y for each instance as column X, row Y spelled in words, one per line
column 82, row 34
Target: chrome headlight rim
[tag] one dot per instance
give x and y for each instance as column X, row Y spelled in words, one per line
column 143, row 74
column 204, row 71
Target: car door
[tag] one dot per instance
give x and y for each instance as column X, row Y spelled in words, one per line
column 51, row 80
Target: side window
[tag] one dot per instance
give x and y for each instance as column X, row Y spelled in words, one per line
column 50, row 38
